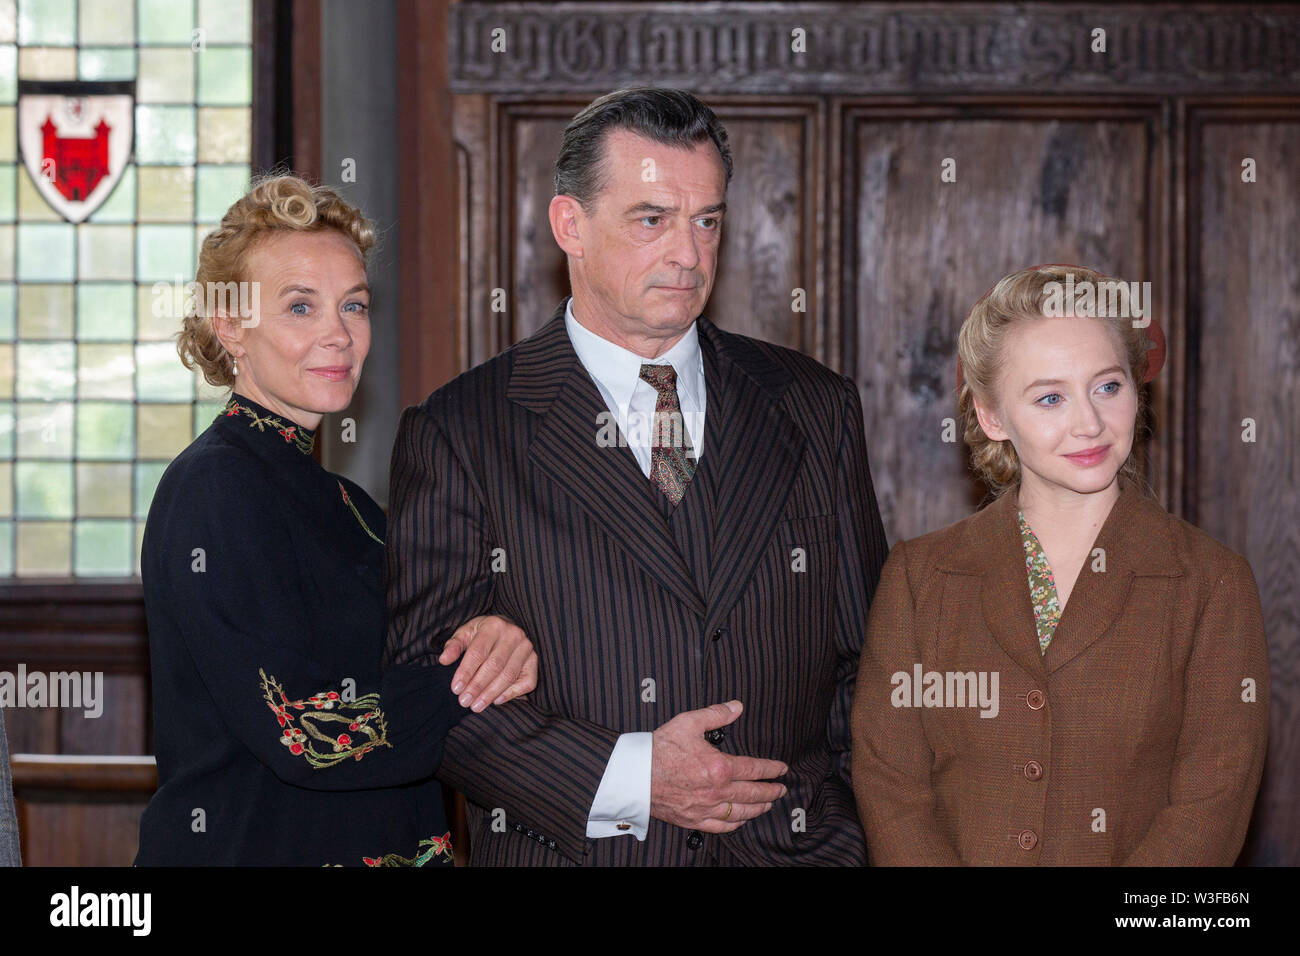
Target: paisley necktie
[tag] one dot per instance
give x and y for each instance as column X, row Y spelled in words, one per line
column 672, row 461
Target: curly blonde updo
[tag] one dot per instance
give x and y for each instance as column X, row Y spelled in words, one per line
column 275, row 203
column 1017, row 298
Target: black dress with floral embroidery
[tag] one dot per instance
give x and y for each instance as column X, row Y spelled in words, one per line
column 279, row 741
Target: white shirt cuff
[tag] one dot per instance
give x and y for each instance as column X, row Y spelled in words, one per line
column 622, row 804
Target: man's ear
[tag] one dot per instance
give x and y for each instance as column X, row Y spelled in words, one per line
column 566, row 216
column 989, row 421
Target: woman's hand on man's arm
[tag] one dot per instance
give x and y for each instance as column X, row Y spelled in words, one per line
column 499, row 662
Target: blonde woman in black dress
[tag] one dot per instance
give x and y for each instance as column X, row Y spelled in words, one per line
column 278, row 739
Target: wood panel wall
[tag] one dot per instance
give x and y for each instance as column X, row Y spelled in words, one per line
column 1243, row 313
column 76, row 809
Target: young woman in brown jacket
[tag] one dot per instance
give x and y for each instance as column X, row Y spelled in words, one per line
column 1071, row 675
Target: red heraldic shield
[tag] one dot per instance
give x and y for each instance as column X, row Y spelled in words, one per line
column 75, row 139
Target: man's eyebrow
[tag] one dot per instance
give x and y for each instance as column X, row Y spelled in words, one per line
column 654, row 210
column 650, row 208
column 1056, row 381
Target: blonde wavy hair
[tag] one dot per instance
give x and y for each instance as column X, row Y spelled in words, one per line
column 1020, row 297
column 275, row 203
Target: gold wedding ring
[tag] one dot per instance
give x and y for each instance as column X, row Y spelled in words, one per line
column 728, row 816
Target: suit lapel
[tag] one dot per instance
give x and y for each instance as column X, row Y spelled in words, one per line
column 1136, row 542
column 759, row 450
column 1004, row 596
column 607, row 483
column 1132, row 545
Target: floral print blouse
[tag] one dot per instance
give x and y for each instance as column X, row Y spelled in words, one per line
column 1042, row 586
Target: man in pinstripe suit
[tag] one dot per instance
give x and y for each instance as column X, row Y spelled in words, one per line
column 697, row 595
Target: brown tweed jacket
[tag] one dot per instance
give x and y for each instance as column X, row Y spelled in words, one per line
column 1135, row 739
column 502, row 502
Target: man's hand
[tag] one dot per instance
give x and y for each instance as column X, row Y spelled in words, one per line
column 500, row 663
column 695, row 785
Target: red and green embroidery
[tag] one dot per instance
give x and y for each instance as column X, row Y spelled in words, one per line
column 290, row 433
column 430, row 849
column 359, row 725
column 357, row 514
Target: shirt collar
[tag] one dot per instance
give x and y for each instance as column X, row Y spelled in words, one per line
column 261, row 420
column 619, row 369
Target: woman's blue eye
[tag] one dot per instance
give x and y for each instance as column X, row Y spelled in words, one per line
column 1043, row 401
column 1112, row 391
column 299, row 305
column 360, row 307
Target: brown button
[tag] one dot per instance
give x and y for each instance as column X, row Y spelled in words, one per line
column 1033, row 770
column 1035, row 699
column 1028, row 839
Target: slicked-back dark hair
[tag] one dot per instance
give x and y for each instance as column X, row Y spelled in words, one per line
column 671, row 117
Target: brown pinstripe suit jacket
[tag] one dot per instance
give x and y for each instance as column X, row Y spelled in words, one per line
column 615, row 589
column 1128, row 742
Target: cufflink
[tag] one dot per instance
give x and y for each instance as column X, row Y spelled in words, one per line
column 622, row 826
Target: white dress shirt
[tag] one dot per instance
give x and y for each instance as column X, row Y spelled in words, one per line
column 622, row 803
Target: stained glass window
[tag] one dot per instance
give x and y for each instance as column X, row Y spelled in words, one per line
column 94, row 401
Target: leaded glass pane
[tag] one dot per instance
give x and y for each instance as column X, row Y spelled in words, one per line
column 105, row 430
column 43, row 429
column 103, row 489
column 44, row 311
column 165, row 21
column 218, row 187
column 164, row 134
column 107, row 22
column 47, row 63
column 47, row 22
column 8, row 140
column 105, row 370
column 44, row 489
column 164, row 253
column 44, row 548
column 8, row 73
column 8, row 181
column 104, row 252
column 104, row 548
column 225, row 76
column 105, row 63
column 165, row 193
column 6, row 310
column 105, row 311
column 166, row 75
